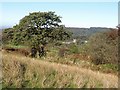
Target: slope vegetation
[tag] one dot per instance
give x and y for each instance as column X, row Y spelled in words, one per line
column 20, row 71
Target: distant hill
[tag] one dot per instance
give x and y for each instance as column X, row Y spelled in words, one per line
column 87, row 31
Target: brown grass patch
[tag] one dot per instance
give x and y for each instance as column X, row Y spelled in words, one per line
column 19, row 71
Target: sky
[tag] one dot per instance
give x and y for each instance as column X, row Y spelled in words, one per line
column 74, row 14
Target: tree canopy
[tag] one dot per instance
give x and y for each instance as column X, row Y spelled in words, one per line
column 40, row 28
column 7, row 35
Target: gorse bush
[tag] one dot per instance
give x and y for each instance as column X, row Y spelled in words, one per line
column 103, row 49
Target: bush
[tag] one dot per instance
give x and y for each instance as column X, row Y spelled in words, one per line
column 74, row 49
column 103, row 49
column 62, row 52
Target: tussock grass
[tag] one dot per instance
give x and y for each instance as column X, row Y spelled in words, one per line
column 20, row 71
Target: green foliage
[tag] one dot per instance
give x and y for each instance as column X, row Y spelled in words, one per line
column 110, row 66
column 36, row 29
column 40, row 28
column 74, row 49
column 83, row 48
column 7, row 35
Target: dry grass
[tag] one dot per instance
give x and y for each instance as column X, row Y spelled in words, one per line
column 80, row 60
column 20, row 71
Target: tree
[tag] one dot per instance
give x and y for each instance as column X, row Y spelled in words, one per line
column 39, row 28
column 7, row 35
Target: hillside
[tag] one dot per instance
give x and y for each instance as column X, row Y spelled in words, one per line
column 34, row 73
column 86, row 31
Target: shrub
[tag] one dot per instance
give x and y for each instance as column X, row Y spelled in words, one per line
column 103, row 49
column 19, row 50
column 74, row 49
column 62, row 52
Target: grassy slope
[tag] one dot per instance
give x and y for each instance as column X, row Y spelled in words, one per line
column 26, row 72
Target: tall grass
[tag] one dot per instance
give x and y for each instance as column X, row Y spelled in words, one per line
column 25, row 72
